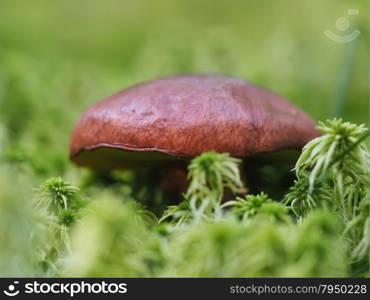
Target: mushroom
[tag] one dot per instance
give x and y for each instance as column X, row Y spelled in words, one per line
column 167, row 121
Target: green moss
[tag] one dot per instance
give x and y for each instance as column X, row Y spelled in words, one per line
column 54, row 64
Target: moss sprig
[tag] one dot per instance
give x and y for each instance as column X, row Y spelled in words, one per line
column 210, row 174
column 333, row 172
column 58, row 205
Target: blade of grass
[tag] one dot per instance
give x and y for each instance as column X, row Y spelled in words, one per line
column 344, row 79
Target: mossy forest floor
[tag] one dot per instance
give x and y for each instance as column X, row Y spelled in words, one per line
column 59, row 57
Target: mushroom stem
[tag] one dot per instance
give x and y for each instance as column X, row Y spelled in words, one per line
column 174, row 180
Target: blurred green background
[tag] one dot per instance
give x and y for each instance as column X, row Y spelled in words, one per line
column 59, row 57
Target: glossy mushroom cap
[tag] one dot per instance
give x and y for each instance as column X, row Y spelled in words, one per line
column 183, row 116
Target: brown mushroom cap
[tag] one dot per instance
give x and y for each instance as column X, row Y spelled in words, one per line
column 183, row 116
